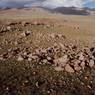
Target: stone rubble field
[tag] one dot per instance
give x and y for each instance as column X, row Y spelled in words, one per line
column 62, row 56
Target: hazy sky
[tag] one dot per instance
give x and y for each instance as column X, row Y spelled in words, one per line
column 47, row 3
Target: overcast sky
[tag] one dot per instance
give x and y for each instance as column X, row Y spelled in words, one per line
column 47, row 3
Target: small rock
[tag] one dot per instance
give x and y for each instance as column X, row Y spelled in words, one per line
column 62, row 46
column 86, row 77
column 3, row 29
column 30, row 55
column 37, row 84
column 7, row 88
column 16, row 43
column 59, row 35
column 69, row 69
column 28, row 33
column 8, row 28
column 82, row 64
column 5, row 55
column 77, row 68
column 34, row 57
column 24, row 23
column 81, row 57
column 76, row 62
column 48, row 26
column 45, row 61
column 1, row 58
column 91, row 63
column 48, row 92
column 58, row 68
column 63, row 36
column 20, row 58
column 23, row 34
column 52, row 35
column 61, row 61
column 49, row 58
column 29, row 59
column 35, row 23
column 89, row 86
column 25, row 53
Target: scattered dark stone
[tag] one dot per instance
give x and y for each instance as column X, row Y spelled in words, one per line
column 92, row 49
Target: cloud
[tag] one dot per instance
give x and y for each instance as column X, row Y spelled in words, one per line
column 66, row 3
column 47, row 3
column 14, row 0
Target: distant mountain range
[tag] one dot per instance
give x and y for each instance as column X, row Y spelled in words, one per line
column 62, row 10
column 71, row 10
column 90, row 9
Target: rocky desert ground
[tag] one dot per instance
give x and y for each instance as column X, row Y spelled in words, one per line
column 43, row 53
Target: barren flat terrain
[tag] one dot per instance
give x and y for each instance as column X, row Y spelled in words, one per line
column 44, row 53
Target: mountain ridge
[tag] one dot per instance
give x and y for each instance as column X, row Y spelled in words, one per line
column 63, row 10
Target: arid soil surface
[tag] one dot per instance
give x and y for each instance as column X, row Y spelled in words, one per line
column 47, row 54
